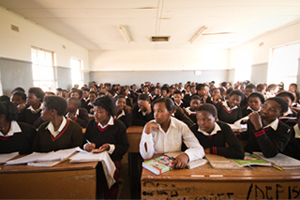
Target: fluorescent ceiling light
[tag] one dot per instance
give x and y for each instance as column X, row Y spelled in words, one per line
column 124, row 33
column 203, row 28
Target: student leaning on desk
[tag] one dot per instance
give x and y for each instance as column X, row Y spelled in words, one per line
column 165, row 134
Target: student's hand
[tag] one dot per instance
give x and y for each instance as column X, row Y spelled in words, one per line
column 207, row 151
column 21, row 106
column 71, row 116
column 180, row 161
column 204, row 98
column 89, row 147
column 151, row 126
column 104, row 147
column 255, row 119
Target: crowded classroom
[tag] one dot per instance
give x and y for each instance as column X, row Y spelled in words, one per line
column 134, row 80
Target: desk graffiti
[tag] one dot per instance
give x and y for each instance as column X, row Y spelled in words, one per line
column 263, row 192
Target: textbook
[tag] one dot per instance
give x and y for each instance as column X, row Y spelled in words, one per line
column 251, row 159
column 281, row 160
column 159, row 165
column 220, row 162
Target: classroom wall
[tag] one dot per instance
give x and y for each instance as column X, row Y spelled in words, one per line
column 16, row 47
column 254, row 55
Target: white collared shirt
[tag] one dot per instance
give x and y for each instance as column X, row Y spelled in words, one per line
column 214, row 131
column 144, row 113
column 170, row 141
column 110, row 122
column 225, row 104
column 274, row 124
column 121, row 114
column 249, row 108
column 288, row 112
column 188, row 111
column 33, row 110
column 14, row 128
column 178, row 104
column 76, row 114
column 297, row 131
column 50, row 127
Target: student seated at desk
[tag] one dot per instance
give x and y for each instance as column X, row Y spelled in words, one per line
column 19, row 99
column 92, row 97
column 213, row 135
column 266, row 133
column 229, row 110
column 77, row 114
column 123, row 111
column 289, row 97
column 166, row 134
column 34, row 106
column 57, row 132
column 142, row 112
column 191, row 110
column 255, row 100
column 107, row 134
column 178, row 101
column 293, row 147
column 14, row 136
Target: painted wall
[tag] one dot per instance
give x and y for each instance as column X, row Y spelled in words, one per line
column 256, row 53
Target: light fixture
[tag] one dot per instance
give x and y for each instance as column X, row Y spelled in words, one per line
column 203, row 28
column 123, row 31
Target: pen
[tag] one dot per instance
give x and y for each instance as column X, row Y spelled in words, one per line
column 250, row 167
column 277, row 167
column 88, row 141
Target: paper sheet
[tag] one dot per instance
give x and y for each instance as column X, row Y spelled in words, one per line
column 7, row 156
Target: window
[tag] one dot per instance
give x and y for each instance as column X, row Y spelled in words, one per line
column 77, row 74
column 42, row 69
column 284, row 65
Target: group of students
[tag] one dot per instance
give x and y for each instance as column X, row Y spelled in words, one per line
column 194, row 119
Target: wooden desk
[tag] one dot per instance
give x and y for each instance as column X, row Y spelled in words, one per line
column 259, row 183
column 134, row 134
column 63, row 181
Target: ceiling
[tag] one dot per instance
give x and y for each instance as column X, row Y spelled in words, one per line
column 94, row 23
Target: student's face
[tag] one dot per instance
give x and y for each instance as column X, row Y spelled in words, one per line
column 161, row 114
column 121, row 103
column 46, row 114
column 194, row 104
column 157, row 91
column 177, row 98
column 75, row 94
column 101, row 115
column 254, row 103
column 172, row 91
column 142, row 104
column 17, row 100
column 32, row 99
column 92, row 97
column 164, row 93
column 206, row 121
column 71, row 106
column 204, row 91
column 193, row 90
column 85, row 93
column 216, row 92
column 270, row 110
column 234, row 100
column 288, row 100
column 248, row 91
column 292, row 88
column 146, row 90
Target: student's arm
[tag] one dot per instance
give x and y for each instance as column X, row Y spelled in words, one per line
column 195, row 151
column 147, row 141
column 179, row 114
column 234, row 149
column 83, row 118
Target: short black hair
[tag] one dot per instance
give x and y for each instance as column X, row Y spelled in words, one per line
column 178, row 92
column 288, row 94
column 93, row 92
column 38, row 92
column 75, row 101
column 195, row 96
column 237, row 92
column 224, row 84
column 294, row 84
column 229, row 90
column 209, row 108
column 144, row 97
column 20, row 89
column 57, row 103
column 112, row 92
column 107, row 103
column 283, row 104
column 167, row 101
column 4, row 98
column 85, row 89
column 251, row 86
column 165, row 88
column 79, row 92
column 9, row 110
column 200, row 86
column 152, row 89
column 119, row 97
column 21, row 94
column 259, row 95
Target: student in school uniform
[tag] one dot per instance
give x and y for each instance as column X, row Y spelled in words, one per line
column 191, row 110
column 57, row 132
column 255, row 101
column 249, row 89
column 142, row 111
column 107, row 134
column 266, row 133
column 261, row 88
column 123, row 111
column 34, row 106
column 188, row 96
column 92, row 97
column 124, row 91
column 166, row 134
column 19, row 99
column 293, row 147
column 203, row 92
column 171, row 92
column 164, row 92
column 153, row 94
column 214, row 135
column 289, row 97
column 78, row 94
column 215, row 96
column 294, row 89
column 229, row 110
column 271, row 91
column 77, row 114
column 14, row 136
column 178, row 101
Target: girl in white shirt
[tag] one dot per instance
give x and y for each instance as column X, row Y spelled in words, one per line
column 165, row 134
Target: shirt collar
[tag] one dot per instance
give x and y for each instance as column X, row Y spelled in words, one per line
column 273, row 124
column 50, row 127
column 288, row 112
column 188, row 110
column 120, row 115
column 14, row 128
column 249, row 108
column 215, row 131
column 178, row 104
column 110, row 122
column 297, row 131
column 225, row 104
column 172, row 124
column 33, row 110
